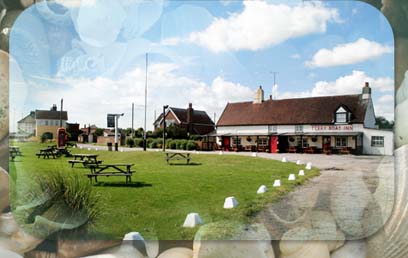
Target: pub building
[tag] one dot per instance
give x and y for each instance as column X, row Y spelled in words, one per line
column 330, row 124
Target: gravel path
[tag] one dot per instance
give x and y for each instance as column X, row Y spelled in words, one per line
column 353, row 194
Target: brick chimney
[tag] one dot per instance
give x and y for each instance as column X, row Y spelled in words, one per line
column 366, row 91
column 259, row 96
column 54, row 107
column 190, row 111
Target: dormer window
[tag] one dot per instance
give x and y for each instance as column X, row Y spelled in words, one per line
column 342, row 115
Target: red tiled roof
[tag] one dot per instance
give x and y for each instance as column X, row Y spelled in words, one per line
column 315, row 110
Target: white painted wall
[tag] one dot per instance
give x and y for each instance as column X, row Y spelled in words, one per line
column 369, row 119
column 242, row 130
column 388, row 148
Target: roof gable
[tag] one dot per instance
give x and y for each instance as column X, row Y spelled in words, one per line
column 314, row 110
column 51, row 115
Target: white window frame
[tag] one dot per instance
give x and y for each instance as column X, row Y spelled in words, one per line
column 342, row 143
column 262, row 141
column 236, row 140
column 377, row 141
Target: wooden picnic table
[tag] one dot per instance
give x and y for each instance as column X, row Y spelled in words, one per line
column 14, row 151
column 84, row 159
column 46, row 153
column 177, row 156
column 110, row 170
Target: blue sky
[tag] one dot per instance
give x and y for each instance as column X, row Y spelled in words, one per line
column 92, row 54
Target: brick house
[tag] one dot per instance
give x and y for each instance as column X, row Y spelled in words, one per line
column 194, row 121
column 328, row 124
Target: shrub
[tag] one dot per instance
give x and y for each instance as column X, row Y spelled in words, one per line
column 191, row 145
column 61, row 200
column 46, row 136
column 138, row 142
column 156, row 143
column 171, row 144
column 130, row 142
column 181, row 144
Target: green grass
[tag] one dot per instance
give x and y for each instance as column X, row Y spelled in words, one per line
column 161, row 195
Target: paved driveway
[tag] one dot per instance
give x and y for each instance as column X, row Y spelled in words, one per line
column 352, row 198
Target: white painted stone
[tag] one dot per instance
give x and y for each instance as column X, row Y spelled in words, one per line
column 96, row 149
column 298, row 162
column 134, row 243
column 230, row 203
column 309, row 166
column 292, row 177
column 178, row 252
column 301, row 172
column 351, row 249
column 89, row 149
column 80, row 147
column 133, row 236
column 254, row 154
column 276, row 183
column 262, row 189
column 220, row 153
column 192, row 220
column 284, row 159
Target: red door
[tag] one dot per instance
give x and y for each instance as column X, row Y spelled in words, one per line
column 226, row 143
column 326, row 143
column 274, row 144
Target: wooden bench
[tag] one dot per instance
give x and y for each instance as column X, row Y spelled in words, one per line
column 110, row 170
column 127, row 175
column 46, row 153
column 177, row 156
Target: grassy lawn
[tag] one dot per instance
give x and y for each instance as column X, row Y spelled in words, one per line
column 161, row 195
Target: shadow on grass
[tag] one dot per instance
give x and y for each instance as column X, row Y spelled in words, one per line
column 120, row 184
column 185, row 164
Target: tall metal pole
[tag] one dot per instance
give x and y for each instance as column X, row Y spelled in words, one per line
column 164, row 127
column 144, row 134
column 62, row 101
column 133, row 118
column 116, row 132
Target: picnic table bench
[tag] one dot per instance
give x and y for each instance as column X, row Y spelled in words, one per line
column 177, row 156
column 84, row 159
column 110, row 170
column 14, row 151
column 47, row 152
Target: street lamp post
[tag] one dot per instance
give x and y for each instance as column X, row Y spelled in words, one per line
column 164, row 127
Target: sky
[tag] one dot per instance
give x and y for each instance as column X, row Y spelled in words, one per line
column 92, row 53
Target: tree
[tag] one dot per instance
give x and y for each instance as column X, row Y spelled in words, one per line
column 98, row 132
column 176, row 132
column 383, row 123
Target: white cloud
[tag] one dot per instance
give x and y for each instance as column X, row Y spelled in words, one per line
column 348, row 84
column 88, row 101
column 295, row 56
column 349, row 53
column 352, row 84
column 261, row 25
column 385, row 107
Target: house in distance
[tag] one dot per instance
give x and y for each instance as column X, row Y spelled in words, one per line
column 328, row 124
column 194, row 121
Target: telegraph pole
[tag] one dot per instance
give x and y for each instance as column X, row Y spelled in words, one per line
column 144, row 133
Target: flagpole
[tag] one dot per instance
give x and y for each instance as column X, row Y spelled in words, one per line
column 145, row 111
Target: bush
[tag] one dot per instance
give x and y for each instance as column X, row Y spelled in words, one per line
column 171, row 144
column 130, row 142
column 46, row 136
column 157, row 143
column 181, row 144
column 191, row 145
column 138, row 142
